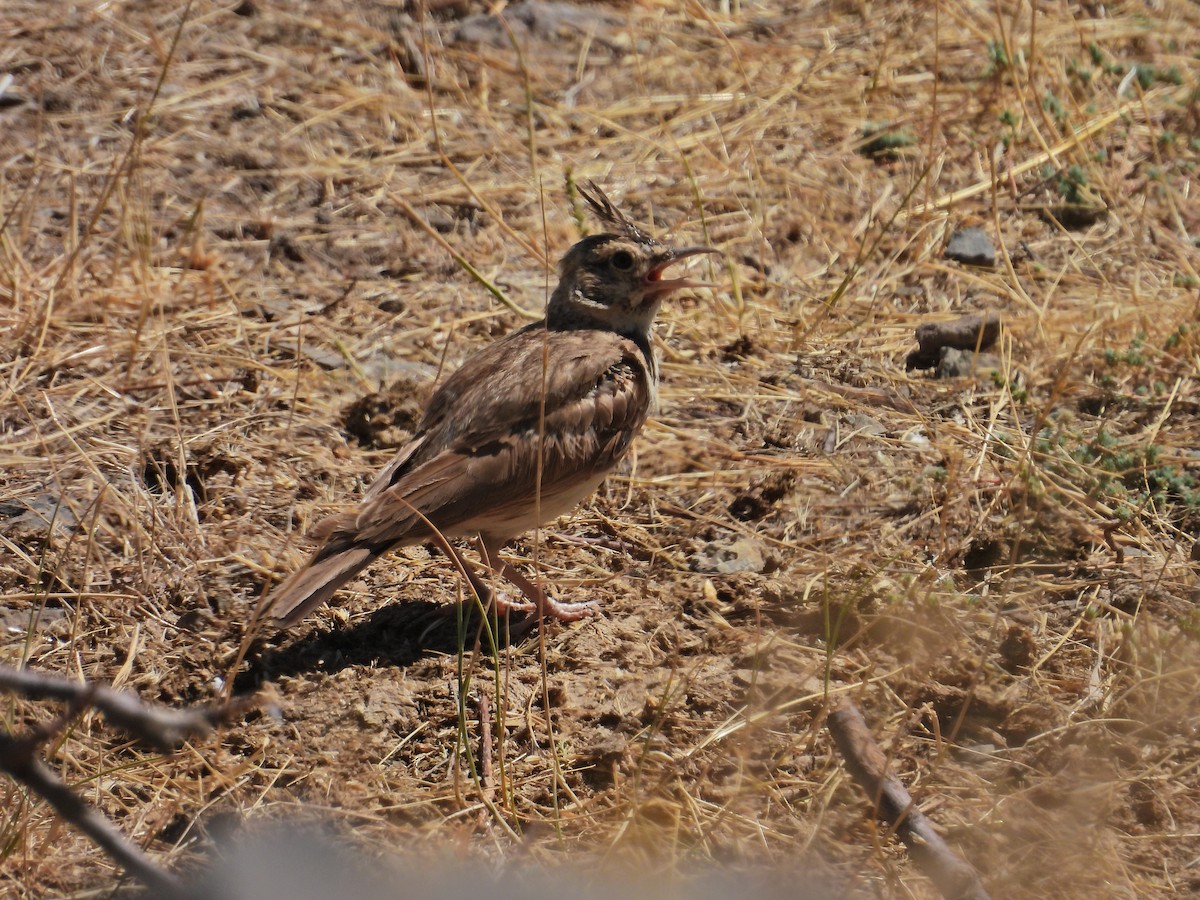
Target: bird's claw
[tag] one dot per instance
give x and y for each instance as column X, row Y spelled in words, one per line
column 548, row 607
column 568, row 612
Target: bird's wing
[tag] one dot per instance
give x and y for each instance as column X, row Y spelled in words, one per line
column 385, row 478
column 474, row 464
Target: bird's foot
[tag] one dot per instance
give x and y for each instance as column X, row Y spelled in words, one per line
column 546, row 605
column 567, row 612
column 536, row 599
column 504, row 605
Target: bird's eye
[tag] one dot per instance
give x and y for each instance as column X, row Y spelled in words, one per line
column 622, row 261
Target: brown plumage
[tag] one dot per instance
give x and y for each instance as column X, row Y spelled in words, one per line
column 574, row 389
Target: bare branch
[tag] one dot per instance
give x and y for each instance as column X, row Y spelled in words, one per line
column 161, row 727
column 17, row 759
column 952, row 875
column 486, row 775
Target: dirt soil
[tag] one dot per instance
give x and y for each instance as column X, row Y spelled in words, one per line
column 241, row 241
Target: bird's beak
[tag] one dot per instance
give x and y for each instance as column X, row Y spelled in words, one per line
column 656, row 284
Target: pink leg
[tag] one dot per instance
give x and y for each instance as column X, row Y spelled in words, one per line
column 483, row 589
column 489, row 552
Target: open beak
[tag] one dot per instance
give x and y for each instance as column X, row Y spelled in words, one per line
column 656, row 284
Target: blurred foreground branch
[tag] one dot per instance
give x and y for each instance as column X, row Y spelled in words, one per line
column 160, row 727
column 953, row 876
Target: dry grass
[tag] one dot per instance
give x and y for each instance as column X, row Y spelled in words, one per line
column 208, row 258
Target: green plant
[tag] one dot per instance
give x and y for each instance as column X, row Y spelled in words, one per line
column 1071, row 182
column 997, row 56
column 1054, row 106
column 1127, row 471
column 882, row 140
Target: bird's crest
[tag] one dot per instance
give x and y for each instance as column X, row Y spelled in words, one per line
column 607, row 213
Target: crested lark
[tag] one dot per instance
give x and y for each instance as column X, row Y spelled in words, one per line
column 573, row 389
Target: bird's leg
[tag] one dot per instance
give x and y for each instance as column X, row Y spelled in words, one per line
column 482, row 589
column 489, row 552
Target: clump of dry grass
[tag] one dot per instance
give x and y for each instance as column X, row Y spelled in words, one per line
column 202, row 278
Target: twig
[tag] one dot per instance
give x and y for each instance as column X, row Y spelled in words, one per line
column 17, row 759
column 160, row 727
column 950, row 873
column 486, row 776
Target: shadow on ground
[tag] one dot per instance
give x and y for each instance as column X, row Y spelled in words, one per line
column 397, row 634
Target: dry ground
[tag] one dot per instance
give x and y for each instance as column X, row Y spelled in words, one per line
column 227, row 282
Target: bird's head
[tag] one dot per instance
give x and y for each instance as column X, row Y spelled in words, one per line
column 615, row 280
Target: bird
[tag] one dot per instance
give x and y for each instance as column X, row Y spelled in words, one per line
column 522, row 433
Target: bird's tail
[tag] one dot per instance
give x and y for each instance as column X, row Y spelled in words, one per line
column 331, row 566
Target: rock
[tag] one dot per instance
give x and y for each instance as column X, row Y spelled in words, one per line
column 971, row 332
column 728, row 558
column 18, row 621
column 862, row 424
column 542, row 19
column 1074, row 216
column 954, row 363
column 971, row 247
column 31, row 520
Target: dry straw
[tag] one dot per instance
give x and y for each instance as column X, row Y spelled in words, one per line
column 232, row 266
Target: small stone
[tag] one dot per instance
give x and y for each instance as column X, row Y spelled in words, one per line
column 972, row 332
column 971, row 247
column 862, row 424
column 728, row 558
column 36, row 517
column 962, row 363
column 545, row 20
column 1075, row 216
